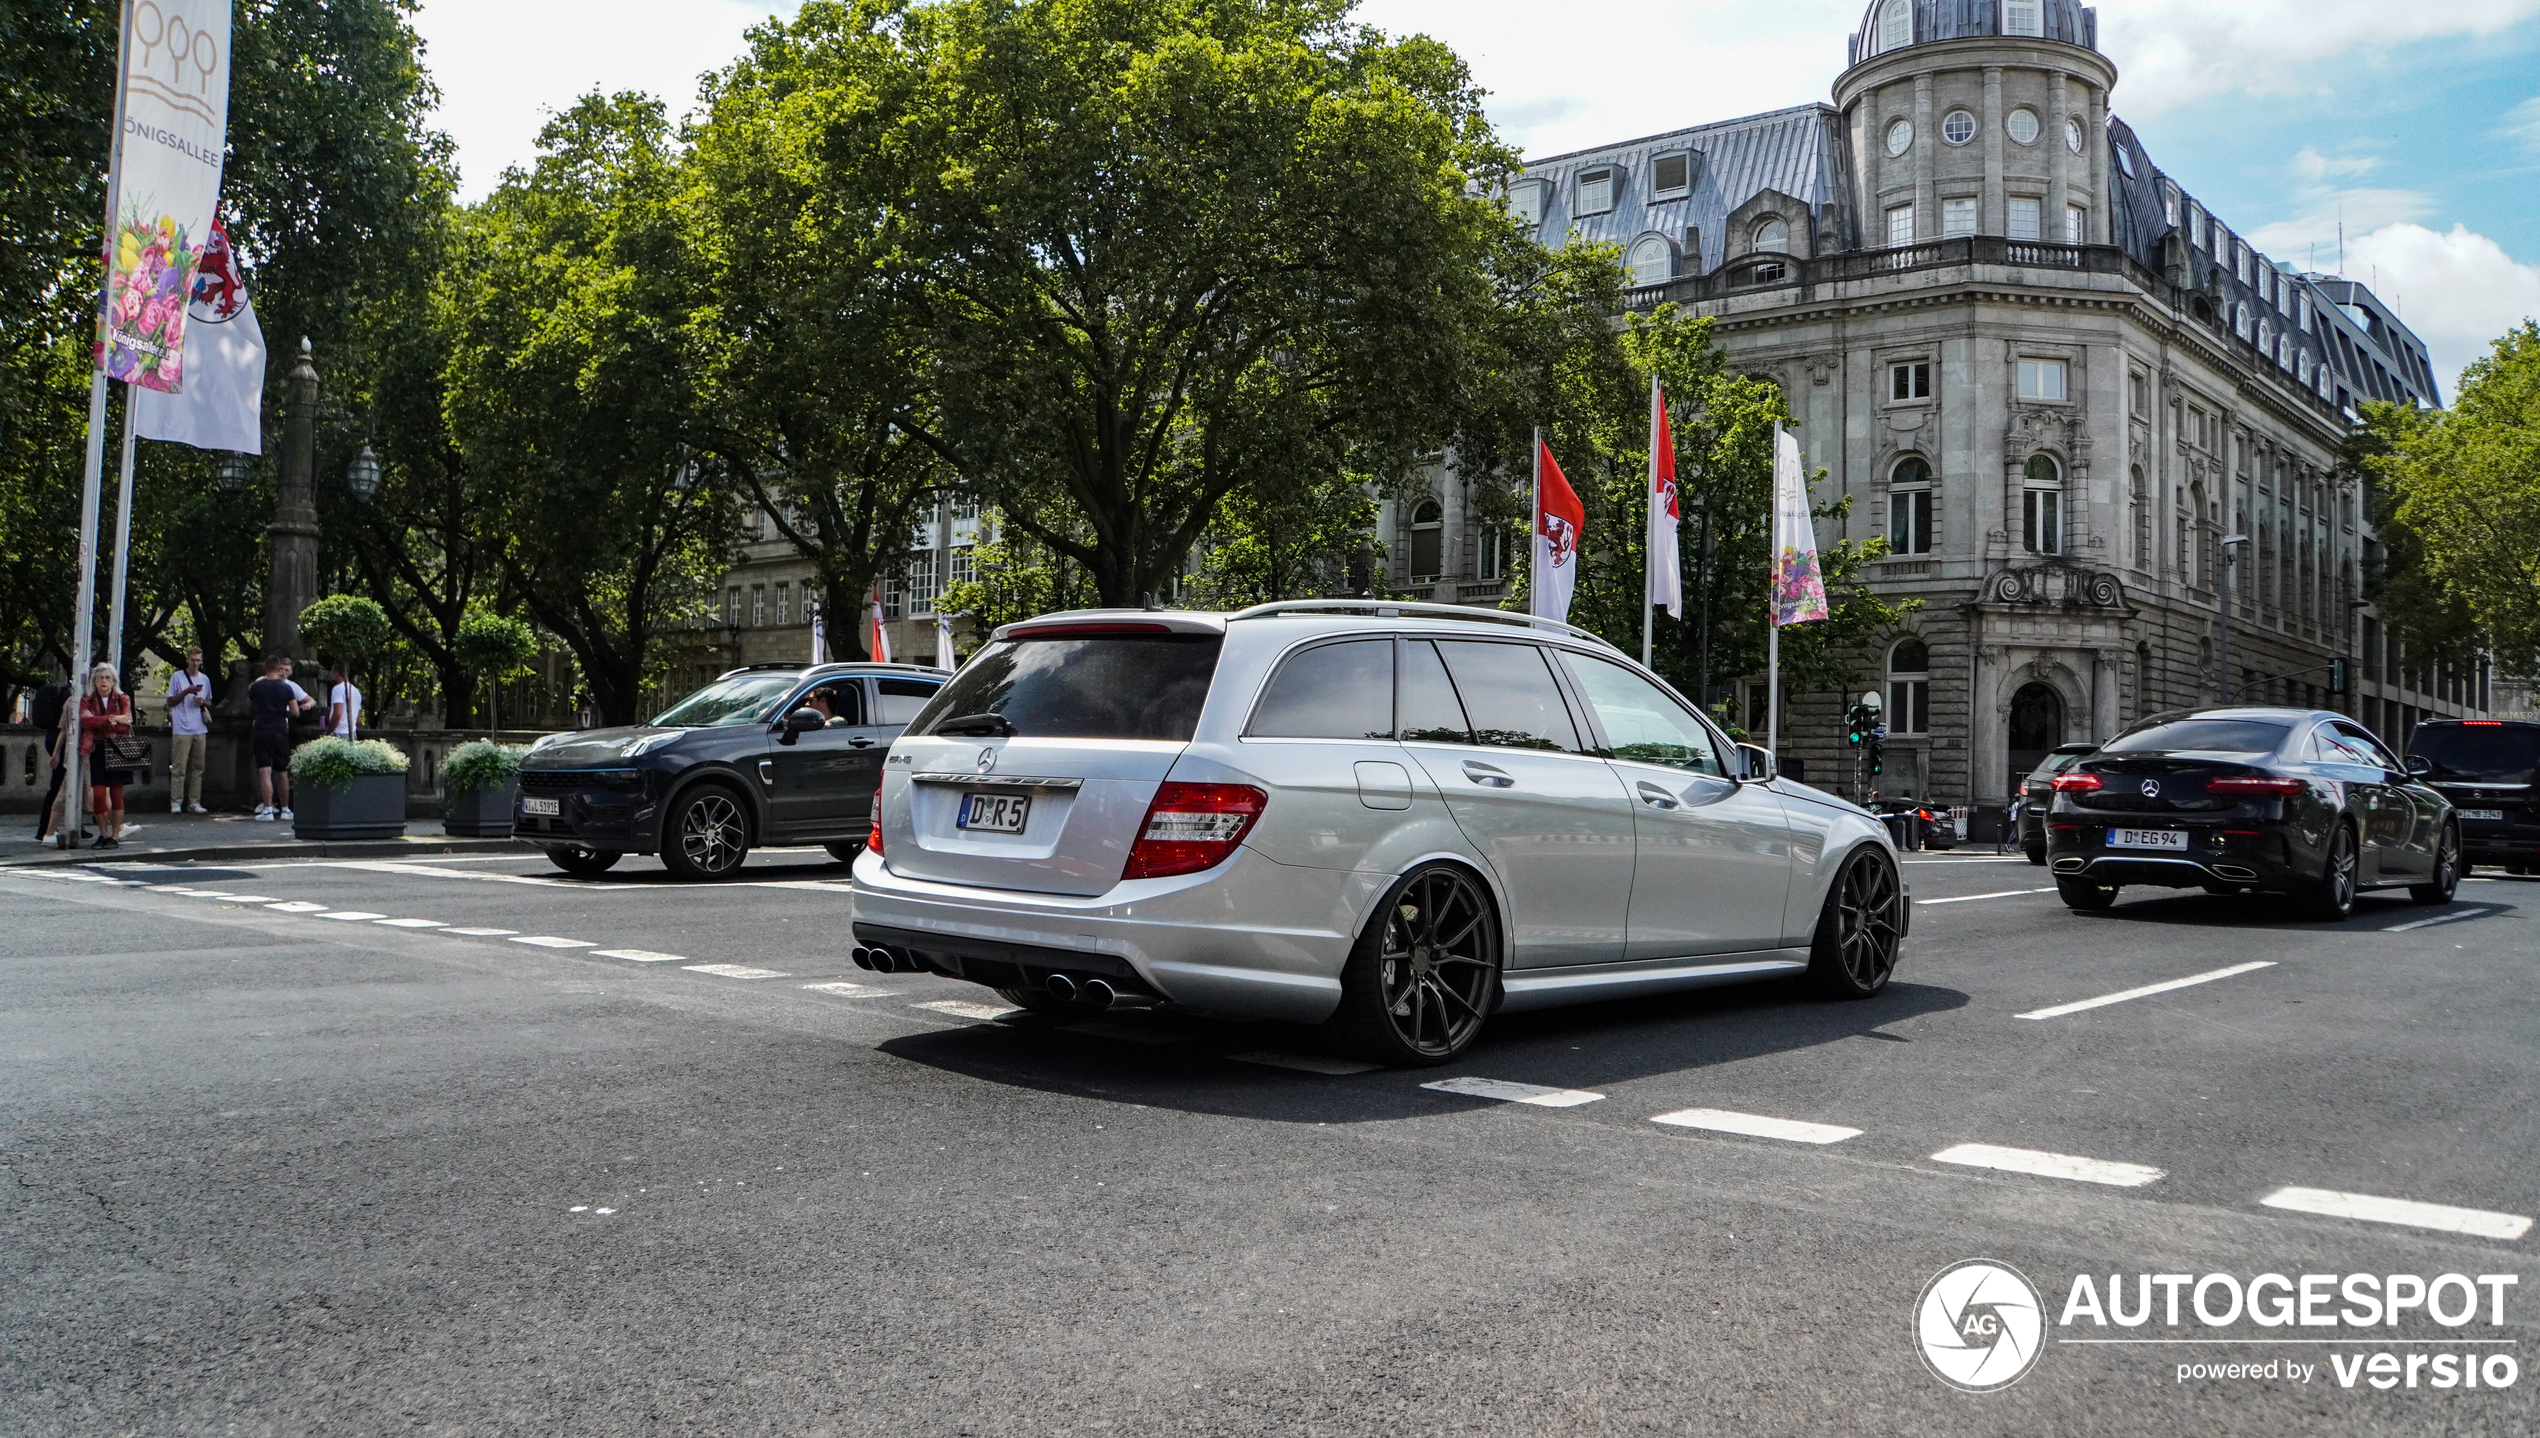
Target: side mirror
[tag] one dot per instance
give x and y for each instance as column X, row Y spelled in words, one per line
column 1755, row 764
column 2419, row 767
column 805, row 720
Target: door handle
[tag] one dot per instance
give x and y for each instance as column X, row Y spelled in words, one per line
column 1487, row 776
column 1656, row 797
column 859, row 743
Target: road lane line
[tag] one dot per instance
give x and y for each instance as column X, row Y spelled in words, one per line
column 297, row 906
column 1971, row 898
column 1720, row 1120
column 1305, row 1063
column 483, row 933
column 1506, row 1092
column 2048, row 1165
column 2331, row 1204
column 736, row 971
column 962, row 1009
column 843, row 988
column 351, row 916
column 2059, row 1010
column 412, row 924
column 550, row 941
column 2452, row 918
column 640, row 956
column 250, row 898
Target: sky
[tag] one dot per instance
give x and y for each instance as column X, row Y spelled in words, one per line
column 2413, row 124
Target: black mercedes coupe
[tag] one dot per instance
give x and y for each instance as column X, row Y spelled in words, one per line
column 2231, row 800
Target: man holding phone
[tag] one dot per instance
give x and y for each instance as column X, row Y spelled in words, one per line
column 190, row 729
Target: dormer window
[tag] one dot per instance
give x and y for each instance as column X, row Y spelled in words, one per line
column 2023, row 17
column 1596, row 191
column 1525, row 201
column 1772, row 236
column 1896, row 25
column 1671, row 175
column 1653, row 261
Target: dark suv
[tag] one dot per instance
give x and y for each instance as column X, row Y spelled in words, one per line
column 2486, row 768
column 2039, row 791
column 770, row 754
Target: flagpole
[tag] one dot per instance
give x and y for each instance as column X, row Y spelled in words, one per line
column 123, row 540
column 1649, row 535
column 1773, row 617
column 1534, row 533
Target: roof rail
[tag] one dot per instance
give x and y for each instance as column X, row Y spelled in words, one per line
column 1414, row 609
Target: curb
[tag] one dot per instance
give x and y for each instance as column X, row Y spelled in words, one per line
column 297, row 849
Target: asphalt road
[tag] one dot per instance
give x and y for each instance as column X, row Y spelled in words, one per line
column 305, row 1169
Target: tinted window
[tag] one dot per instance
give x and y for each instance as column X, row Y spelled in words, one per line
column 1111, row 686
column 903, row 699
column 2359, row 738
column 2330, row 747
column 1333, row 691
column 1428, row 710
column 740, row 699
column 2478, row 753
column 2217, row 736
column 842, row 700
column 1642, row 722
column 1509, row 694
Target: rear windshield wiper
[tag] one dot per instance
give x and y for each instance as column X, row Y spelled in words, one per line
column 977, row 724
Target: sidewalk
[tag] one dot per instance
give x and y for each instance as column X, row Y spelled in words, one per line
column 160, row 838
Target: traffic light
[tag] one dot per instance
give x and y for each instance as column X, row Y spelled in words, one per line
column 1878, row 764
column 1861, row 721
column 2337, row 676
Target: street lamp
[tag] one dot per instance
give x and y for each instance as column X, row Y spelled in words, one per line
column 2222, row 632
column 232, row 471
column 362, row 475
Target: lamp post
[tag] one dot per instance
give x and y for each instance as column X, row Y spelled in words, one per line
column 2222, row 633
column 292, row 541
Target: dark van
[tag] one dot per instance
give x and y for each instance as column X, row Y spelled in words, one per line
column 2485, row 767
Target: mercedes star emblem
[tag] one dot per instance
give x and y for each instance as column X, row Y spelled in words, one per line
column 2151, row 788
column 987, row 760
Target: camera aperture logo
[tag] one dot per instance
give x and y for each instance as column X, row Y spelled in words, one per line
column 1980, row 1325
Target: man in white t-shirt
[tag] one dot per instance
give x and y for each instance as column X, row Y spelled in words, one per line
column 189, row 723
column 343, row 705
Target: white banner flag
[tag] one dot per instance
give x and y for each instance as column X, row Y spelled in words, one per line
column 222, row 406
column 175, row 122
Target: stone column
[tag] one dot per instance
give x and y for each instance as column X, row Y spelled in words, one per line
column 1992, row 222
column 291, row 543
column 1926, row 210
column 1985, row 732
column 2103, row 200
column 2059, row 106
column 2103, row 695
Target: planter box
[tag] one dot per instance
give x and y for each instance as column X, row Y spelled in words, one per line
column 372, row 807
column 480, row 813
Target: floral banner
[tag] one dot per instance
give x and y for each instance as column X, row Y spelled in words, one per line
column 1799, row 586
column 171, row 139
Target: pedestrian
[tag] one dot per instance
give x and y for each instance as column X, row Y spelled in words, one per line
column 105, row 713
column 2010, row 837
column 51, row 703
column 343, row 705
column 190, row 729
column 272, row 702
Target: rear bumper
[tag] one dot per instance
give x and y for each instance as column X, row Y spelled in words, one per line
column 2265, row 860
column 2485, row 843
column 1250, row 939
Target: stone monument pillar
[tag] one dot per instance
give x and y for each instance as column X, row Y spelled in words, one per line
column 291, row 544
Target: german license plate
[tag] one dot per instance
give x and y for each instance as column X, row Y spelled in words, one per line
column 994, row 813
column 2492, row 816
column 549, row 807
column 2147, row 839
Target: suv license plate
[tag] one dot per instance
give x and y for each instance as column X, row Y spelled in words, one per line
column 2492, row 816
column 549, row 807
column 995, row 813
column 2147, row 839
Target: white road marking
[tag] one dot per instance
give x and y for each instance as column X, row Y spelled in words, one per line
column 961, row 1009
column 2048, row 1165
column 736, row 971
column 1507, row 1092
column 1305, row 1063
column 640, row 956
column 483, row 933
column 1971, row 898
column 2059, row 1010
column 412, row 924
column 549, row 941
column 1721, row 1120
column 2437, row 919
column 2331, row 1204
column 841, row 987
column 297, row 906
column 351, row 916
column 250, row 898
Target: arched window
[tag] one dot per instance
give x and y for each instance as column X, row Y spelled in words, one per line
column 1896, row 25
column 1772, row 236
column 1909, row 687
column 1653, row 261
column 1428, row 536
column 2042, row 506
column 1909, row 506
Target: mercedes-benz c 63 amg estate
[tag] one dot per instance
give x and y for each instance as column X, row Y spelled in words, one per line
column 1390, row 820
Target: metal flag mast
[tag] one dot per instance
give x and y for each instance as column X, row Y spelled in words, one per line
column 1534, row 528
column 1649, row 537
column 1773, row 613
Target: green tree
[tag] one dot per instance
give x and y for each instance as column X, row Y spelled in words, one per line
column 347, row 627
column 2464, row 486
column 1284, row 539
column 494, row 647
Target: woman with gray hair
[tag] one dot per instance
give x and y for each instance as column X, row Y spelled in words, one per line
column 105, row 711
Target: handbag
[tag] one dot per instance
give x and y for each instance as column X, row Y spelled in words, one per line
column 123, row 754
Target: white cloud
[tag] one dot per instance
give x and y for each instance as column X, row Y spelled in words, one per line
column 2176, row 52
column 2315, row 167
column 504, row 67
column 2458, row 291
column 2523, row 122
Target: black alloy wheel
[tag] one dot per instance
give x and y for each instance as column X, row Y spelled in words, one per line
column 2087, row 896
column 1424, row 975
column 2447, row 871
column 2331, row 896
column 708, row 834
column 583, row 862
column 1859, row 930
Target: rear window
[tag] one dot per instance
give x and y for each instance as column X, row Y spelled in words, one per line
column 903, row 699
column 1110, row 686
column 1333, row 691
column 2478, row 753
column 1510, row 696
column 2210, row 736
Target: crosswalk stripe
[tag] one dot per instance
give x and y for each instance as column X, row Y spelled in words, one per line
column 1752, row 1125
column 2048, row 1165
column 1506, row 1092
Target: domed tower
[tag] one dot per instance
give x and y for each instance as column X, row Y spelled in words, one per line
column 1978, row 117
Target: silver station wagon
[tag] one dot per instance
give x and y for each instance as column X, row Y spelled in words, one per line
column 1389, row 820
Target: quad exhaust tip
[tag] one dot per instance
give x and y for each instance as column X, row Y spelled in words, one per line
column 1096, row 993
column 1062, row 988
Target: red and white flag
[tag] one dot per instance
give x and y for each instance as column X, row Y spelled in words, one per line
column 223, row 403
column 1558, row 519
column 881, row 634
column 1666, row 568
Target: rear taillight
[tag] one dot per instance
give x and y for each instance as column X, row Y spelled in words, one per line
column 873, row 836
column 2077, row 783
column 1191, row 827
column 2254, row 785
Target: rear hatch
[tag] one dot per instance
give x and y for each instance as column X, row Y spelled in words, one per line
column 1052, row 742
column 2487, row 769
column 2163, row 771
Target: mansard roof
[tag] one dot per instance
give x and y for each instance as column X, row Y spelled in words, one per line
column 1936, row 20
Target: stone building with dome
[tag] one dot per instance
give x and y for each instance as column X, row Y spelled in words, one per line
column 2064, row 390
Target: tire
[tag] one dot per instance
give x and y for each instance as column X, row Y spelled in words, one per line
column 706, row 835
column 2086, row 896
column 844, row 853
column 2331, row 896
column 581, row 862
column 2447, row 871
column 2037, row 855
column 1424, row 975
column 1859, row 930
